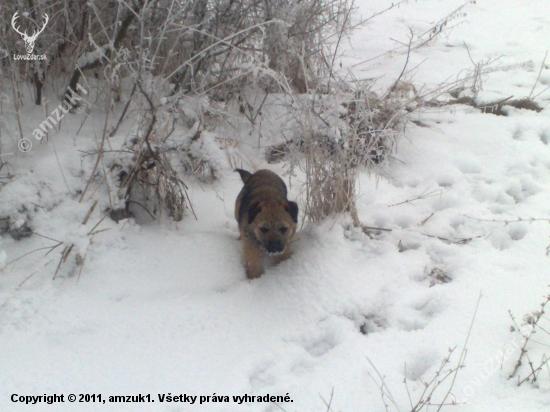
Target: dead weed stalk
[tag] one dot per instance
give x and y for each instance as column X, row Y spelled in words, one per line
column 532, row 324
column 437, row 392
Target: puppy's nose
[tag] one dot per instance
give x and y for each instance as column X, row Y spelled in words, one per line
column 275, row 246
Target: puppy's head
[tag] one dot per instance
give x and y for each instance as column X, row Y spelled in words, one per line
column 273, row 224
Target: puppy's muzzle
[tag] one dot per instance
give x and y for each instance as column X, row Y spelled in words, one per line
column 273, row 248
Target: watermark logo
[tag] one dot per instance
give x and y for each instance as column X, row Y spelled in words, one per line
column 58, row 113
column 29, row 40
column 24, row 145
column 69, row 103
column 494, row 364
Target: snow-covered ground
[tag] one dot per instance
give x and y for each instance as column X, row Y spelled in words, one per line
column 161, row 308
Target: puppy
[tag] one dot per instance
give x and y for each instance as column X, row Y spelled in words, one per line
column 267, row 220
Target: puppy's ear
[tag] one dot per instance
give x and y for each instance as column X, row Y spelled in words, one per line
column 245, row 176
column 292, row 209
column 255, row 208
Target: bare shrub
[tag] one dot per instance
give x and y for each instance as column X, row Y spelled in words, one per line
column 336, row 136
column 533, row 324
column 436, row 392
column 158, row 180
column 191, row 63
column 151, row 167
column 195, row 44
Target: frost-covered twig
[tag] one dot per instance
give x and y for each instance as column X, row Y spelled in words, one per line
column 518, row 220
column 507, row 221
column 99, row 156
column 538, row 77
column 378, row 13
column 433, row 32
column 434, row 385
column 329, row 403
column 384, row 389
column 533, row 319
column 424, row 195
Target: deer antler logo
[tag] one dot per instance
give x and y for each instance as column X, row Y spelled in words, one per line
column 29, row 40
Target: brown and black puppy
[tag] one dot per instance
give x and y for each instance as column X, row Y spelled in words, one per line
column 267, row 220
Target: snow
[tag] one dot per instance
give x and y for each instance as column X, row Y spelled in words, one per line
column 90, row 57
column 159, row 308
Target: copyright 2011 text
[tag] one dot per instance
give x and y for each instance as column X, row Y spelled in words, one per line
column 164, row 397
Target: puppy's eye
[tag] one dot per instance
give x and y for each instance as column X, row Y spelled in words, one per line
column 264, row 229
column 283, row 230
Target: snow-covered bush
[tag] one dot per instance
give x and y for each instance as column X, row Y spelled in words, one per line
column 195, row 45
column 191, row 63
column 335, row 136
column 188, row 66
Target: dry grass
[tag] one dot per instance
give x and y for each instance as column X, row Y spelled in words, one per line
column 338, row 136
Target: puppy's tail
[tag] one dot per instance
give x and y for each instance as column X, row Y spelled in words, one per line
column 245, row 176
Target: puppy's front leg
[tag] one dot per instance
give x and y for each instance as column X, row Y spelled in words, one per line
column 252, row 257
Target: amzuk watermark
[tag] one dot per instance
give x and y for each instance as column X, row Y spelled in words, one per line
column 493, row 364
column 71, row 99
